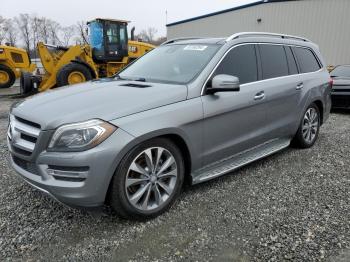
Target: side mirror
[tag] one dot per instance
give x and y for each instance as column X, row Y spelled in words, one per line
column 224, row 83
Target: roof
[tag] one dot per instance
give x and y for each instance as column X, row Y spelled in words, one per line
column 107, row 19
column 259, row 2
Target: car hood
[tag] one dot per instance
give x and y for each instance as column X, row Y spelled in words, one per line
column 102, row 99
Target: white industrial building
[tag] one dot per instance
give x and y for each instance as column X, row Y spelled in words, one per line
column 325, row 22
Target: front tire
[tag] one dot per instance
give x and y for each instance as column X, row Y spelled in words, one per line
column 309, row 128
column 73, row 73
column 148, row 180
column 7, row 76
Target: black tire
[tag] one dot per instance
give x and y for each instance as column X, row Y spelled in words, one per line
column 65, row 71
column 299, row 139
column 118, row 198
column 26, row 83
column 11, row 76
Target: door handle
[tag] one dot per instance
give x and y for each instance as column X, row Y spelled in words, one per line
column 259, row 95
column 299, row 86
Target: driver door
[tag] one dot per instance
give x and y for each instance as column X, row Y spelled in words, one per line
column 235, row 121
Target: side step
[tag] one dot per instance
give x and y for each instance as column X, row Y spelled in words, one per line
column 236, row 161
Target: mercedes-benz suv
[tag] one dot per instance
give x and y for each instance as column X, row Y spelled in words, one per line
column 189, row 110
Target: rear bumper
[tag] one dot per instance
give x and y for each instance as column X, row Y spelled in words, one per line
column 77, row 179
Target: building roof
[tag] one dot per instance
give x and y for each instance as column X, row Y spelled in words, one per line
column 226, row 11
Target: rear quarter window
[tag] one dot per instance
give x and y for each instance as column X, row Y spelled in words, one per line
column 273, row 61
column 306, row 60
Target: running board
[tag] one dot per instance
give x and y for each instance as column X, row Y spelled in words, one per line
column 236, row 161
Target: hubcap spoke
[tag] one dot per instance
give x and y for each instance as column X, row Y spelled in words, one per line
column 157, row 195
column 172, row 173
column 146, row 200
column 159, row 155
column 166, row 165
column 138, row 169
column 135, row 181
column 149, row 159
column 165, row 187
column 138, row 195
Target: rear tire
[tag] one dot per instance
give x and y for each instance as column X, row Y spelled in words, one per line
column 309, row 128
column 73, row 73
column 26, row 83
column 158, row 189
column 7, row 76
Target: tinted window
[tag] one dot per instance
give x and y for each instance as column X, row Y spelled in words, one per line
column 240, row 62
column 273, row 61
column 306, row 59
column 293, row 69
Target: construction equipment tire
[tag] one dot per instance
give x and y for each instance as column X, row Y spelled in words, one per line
column 73, row 73
column 7, row 76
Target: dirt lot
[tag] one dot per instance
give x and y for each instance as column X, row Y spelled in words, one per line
column 293, row 205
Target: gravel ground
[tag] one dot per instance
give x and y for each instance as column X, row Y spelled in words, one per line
column 294, row 205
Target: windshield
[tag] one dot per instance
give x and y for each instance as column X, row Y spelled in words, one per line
column 341, row 71
column 177, row 64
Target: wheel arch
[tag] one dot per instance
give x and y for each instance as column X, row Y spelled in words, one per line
column 174, row 136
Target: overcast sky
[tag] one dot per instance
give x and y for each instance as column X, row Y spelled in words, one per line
column 143, row 14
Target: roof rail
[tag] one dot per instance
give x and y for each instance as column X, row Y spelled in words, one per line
column 179, row 39
column 238, row 35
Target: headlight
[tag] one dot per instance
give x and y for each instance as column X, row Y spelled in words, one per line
column 80, row 136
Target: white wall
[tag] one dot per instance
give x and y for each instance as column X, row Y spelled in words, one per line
column 325, row 22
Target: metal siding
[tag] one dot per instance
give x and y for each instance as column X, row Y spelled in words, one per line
column 325, row 22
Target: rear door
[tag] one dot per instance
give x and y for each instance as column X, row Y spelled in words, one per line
column 235, row 121
column 282, row 86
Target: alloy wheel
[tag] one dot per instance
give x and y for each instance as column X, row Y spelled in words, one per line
column 310, row 125
column 151, row 178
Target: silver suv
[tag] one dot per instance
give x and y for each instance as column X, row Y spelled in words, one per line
column 190, row 110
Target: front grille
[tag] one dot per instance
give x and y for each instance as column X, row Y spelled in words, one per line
column 23, row 135
column 26, row 165
column 341, row 101
column 336, row 90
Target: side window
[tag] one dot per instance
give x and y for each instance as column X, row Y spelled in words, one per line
column 306, row 59
column 293, row 69
column 240, row 62
column 273, row 61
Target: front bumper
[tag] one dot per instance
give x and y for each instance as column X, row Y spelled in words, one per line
column 341, row 100
column 77, row 179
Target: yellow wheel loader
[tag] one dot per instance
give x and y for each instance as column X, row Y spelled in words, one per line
column 13, row 61
column 108, row 52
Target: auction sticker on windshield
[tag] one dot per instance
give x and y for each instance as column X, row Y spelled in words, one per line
column 195, row 47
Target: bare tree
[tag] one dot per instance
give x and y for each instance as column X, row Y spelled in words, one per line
column 81, row 28
column 54, row 29
column 23, row 22
column 148, row 35
column 2, row 29
column 36, row 27
column 67, row 33
column 11, row 32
